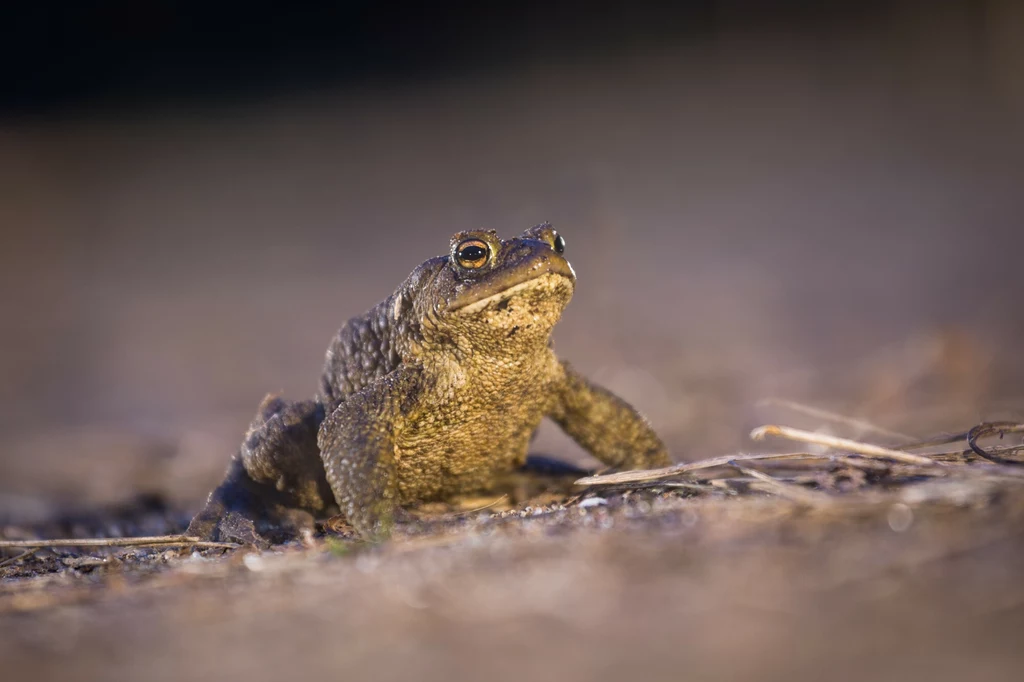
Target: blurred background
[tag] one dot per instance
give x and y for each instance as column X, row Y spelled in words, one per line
column 817, row 201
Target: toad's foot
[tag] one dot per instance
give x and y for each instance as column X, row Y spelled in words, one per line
column 249, row 513
column 274, row 484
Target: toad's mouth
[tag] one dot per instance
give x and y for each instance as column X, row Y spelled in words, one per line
column 547, row 282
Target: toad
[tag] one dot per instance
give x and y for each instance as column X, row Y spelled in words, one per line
column 435, row 392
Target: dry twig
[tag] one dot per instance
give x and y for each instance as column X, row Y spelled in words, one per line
column 677, row 469
column 992, row 429
column 474, row 510
column 819, row 413
column 933, row 442
column 790, row 491
column 865, row 449
column 23, row 555
column 150, row 541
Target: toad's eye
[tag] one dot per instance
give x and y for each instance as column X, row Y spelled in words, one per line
column 472, row 253
column 559, row 244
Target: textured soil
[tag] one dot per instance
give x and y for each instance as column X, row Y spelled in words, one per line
column 657, row 584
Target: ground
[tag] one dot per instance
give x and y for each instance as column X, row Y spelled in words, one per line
column 655, row 583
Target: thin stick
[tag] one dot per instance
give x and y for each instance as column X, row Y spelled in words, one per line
column 481, row 508
column 862, row 463
column 865, row 449
column 933, row 442
column 155, row 540
column 992, row 429
column 790, row 491
column 834, row 417
column 675, row 470
column 23, row 555
column 703, row 487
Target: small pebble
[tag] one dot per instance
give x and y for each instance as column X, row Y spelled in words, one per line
column 593, row 502
column 900, row 517
column 254, row 562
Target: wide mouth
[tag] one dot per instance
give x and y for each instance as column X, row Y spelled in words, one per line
column 549, row 278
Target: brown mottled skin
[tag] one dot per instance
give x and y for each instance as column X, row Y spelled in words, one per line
column 434, row 392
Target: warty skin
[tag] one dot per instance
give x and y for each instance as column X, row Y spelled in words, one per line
column 434, row 392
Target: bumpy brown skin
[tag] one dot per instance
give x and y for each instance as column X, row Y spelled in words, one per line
column 435, row 392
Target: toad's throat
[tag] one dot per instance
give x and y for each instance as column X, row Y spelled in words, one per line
column 546, row 280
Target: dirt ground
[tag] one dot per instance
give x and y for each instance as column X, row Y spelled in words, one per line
column 662, row 588
column 844, row 232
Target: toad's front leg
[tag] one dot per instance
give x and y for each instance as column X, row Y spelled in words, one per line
column 605, row 424
column 357, row 443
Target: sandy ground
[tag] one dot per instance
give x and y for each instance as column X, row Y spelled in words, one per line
column 790, row 225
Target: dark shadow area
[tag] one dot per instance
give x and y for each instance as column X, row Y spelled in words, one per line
column 62, row 54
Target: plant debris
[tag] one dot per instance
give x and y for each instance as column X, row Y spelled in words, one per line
column 843, row 469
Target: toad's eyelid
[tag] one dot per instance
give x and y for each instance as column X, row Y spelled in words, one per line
column 471, row 242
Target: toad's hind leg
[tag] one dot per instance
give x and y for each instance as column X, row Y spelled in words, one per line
column 275, row 482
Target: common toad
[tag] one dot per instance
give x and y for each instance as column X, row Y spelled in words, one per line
column 434, row 392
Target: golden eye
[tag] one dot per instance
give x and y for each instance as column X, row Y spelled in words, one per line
column 472, row 253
